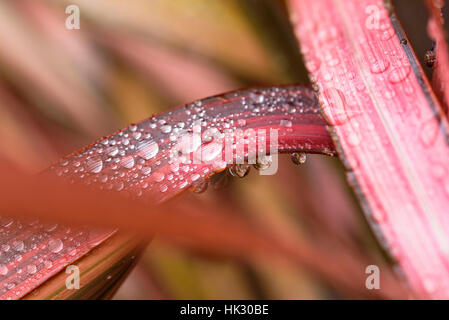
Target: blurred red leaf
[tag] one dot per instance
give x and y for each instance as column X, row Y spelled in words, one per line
column 441, row 65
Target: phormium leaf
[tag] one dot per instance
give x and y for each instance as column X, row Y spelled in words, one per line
column 152, row 160
column 389, row 129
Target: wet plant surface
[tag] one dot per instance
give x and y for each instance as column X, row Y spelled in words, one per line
column 166, row 204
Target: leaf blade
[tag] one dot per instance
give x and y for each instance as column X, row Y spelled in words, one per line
column 305, row 132
column 392, row 163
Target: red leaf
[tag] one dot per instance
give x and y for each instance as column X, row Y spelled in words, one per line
column 136, row 162
column 390, row 129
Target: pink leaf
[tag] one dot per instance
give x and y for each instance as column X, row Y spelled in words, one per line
column 390, row 129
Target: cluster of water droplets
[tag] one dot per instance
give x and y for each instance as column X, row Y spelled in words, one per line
column 160, row 155
column 49, row 243
column 154, row 158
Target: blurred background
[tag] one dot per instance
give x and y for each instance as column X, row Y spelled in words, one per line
column 62, row 89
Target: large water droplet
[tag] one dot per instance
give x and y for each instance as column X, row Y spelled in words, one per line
column 263, row 162
column 429, row 132
column 158, row 176
column 239, row 170
column 189, row 143
column 299, row 158
column 399, row 74
column 211, row 151
column 147, row 149
column 112, row 151
column 55, row 245
column 379, row 66
column 335, row 107
column 18, row 245
column 94, row 165
column 128, row 162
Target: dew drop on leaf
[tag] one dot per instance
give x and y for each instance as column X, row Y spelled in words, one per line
column 286, row 123
column 94, row 165
column 429, row 132
column 379, row 66
column 263, row 162
column 31, row 269
column 298, row 158
column 239, row 170
column 3, row 270
column 18, row 245
column 399, row 74
column 55, row 245
column 147, row 149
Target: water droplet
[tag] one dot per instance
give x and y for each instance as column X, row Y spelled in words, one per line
column 94, row 165
column 353, row 139
column 158, row 176
column 3, row 270
column 147, row 149
column 210, row 151
column 335, row 108
column 166, row 128
column 313, row 64
column 31, row 269
column 387, row 34
column 263, row 162
column 399, row 74
column 146, row 170
column 239, row 170
column 18, row 245
column 112, row 151
column 257, row 98
column 241, row 122
column 55, row 245
column 379, row 66
column 137, row 135
column 128, row 162
column 429, row 132
column 189, row 143
column 299, row 158
column 285, row 123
